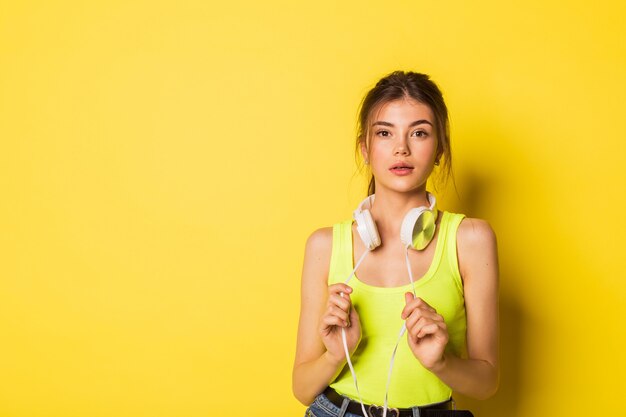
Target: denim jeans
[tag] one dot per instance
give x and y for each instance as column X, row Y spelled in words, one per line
column 322, row 407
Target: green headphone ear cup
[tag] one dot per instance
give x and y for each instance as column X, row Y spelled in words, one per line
column 423, row 230
column 419, row 224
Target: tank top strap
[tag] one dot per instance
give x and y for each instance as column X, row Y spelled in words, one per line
column 450, row 250
column 341, row 254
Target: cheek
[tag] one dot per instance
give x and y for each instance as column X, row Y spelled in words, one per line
column 377, row 156
column 426, row 150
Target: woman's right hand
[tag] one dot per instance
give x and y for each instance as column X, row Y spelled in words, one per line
column 339, row 314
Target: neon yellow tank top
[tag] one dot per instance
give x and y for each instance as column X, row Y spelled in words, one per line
column 379, row 311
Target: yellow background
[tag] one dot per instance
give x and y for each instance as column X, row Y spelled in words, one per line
column 162, row 164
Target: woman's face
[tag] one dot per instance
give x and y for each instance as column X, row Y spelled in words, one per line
column 401, row 132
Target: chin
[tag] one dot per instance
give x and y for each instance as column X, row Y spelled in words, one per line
column 402, row 188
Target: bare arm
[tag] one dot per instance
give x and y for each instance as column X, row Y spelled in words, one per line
column 314, row 366
column 478, row 376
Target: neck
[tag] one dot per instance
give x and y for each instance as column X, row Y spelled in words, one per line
column 390, row 207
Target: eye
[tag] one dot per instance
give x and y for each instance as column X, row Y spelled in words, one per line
column 383, row 133
column 420, row 133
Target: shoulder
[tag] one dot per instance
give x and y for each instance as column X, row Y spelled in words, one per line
column 316, row 266
column 320, row 240
column 474, row 231
column 476, row 246
column 318, row 248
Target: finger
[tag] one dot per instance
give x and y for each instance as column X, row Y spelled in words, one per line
column 432, row 328
column 336, row 311
column 408, row 306
column 339, row 288
column 419, row 302
column 427, row 327
column 419, row 313
column 408, row 296
column 415, row 330
column 341, row 302
column 336, row 317
column 416, row 326
column 424, row 304
column 413, row 304
column 332, row 320
column 354, row 317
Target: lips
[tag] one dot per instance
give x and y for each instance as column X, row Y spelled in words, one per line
column 401, row 165
column 401, row 168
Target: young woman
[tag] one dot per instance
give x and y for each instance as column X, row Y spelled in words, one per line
column 443, row 286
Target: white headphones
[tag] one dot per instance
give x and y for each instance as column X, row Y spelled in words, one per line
column 417, row 230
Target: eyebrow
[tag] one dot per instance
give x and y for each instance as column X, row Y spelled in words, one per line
column 415, row 123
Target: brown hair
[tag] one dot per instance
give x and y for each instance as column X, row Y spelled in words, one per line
column 402, row 85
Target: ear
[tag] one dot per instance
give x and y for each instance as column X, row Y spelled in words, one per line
column 364, row 150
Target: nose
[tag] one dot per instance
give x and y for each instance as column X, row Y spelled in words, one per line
column 401, row 149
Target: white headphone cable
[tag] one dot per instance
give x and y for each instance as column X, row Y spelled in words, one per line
column 402, row 330
column 345, row 343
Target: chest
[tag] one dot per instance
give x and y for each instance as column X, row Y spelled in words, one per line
column 387, row 266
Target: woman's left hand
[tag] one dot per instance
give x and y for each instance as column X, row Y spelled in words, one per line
column 427, row 333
